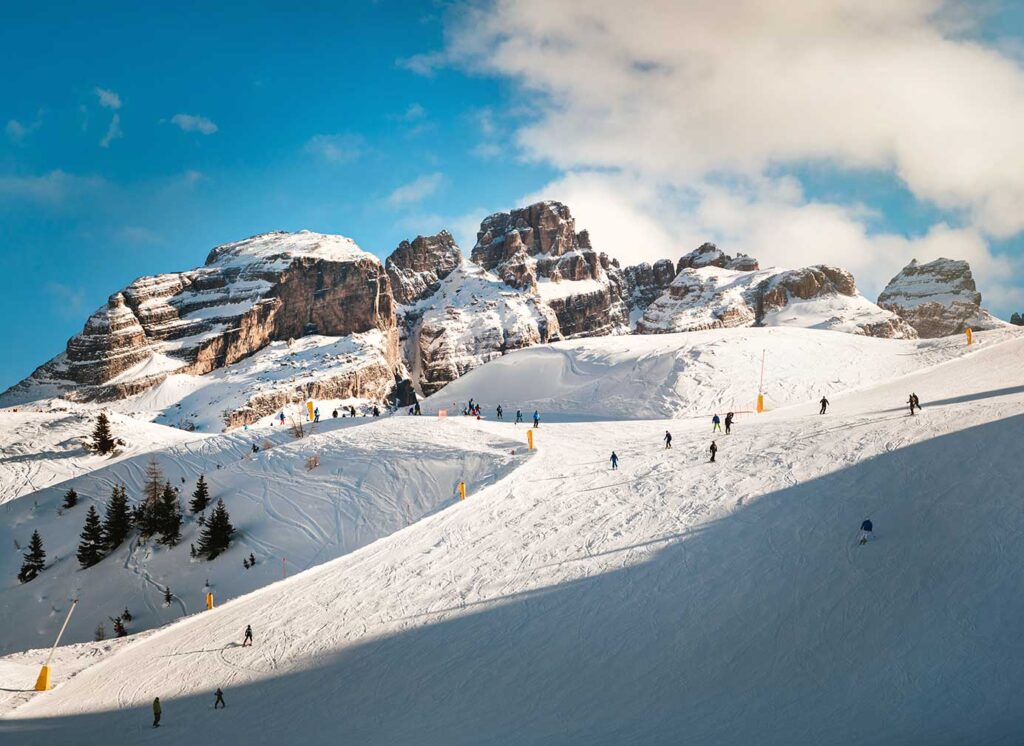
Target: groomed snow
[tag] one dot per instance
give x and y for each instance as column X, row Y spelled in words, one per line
column 276, row 250
column 670, row 601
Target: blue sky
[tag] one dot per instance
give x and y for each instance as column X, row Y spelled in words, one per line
column 139, row 135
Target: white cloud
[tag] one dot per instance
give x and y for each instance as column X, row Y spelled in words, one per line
column 340, row 148
column 416, row 190
column 53, row 187
column 113, row 131
column 108, row 99
column 486, row 150
column 423, row 64
column 194, row 123
column 414, row 112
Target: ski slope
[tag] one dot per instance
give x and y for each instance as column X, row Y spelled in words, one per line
column 374, row 478
column 671, row 601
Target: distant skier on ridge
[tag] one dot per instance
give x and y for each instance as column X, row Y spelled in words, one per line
column 824, row 405
column 519, row 416
column 536, row 418
column 498, row 411
column 668, row 439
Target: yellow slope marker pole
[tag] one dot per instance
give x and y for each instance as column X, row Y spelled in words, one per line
column 529, row 438
column 970, row 337
column 309, row 408
column 43, row 682
column 209, row 601
column 760, row 387
column 462, row 490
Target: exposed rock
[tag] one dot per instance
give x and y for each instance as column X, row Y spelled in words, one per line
column 269, row 287
column 537, row 248
column 937, row 299
column 417, row 267
column 645, row 282
column 709, row 255
column 819, row 297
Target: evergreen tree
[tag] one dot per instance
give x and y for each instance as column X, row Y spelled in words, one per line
column 119, row 630
column 90, row 549
column 118, row 519
column 167, row 595
column 102, row 440
column 147, row 514
column 70, row 498
column 35, row 559
column 126, row 615
column 100, row 634
column 168, row 517
column 201, row 497
column 1016, row 319
column 216, row 535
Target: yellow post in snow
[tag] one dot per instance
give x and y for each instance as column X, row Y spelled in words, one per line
column 529, row 438
column 970, row 337
column 309, row 407
column 760, row 387
column 462, row 490
column 209, row 601
column 760, row 403
column 43, row 682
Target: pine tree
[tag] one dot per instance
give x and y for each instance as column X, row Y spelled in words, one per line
column 35, row 559
column 168, row 517
column 102, row 440
column 201, row 497
column 216, row 535
column 126, row 615
column 146, row 514
column 119, row 630
column 100, row 634
column 90, row 549
column 117, row 522
column 70, row 498
column 167, row 595
column 1016, row 319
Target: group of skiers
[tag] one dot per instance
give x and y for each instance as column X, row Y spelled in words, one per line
column 475, row 409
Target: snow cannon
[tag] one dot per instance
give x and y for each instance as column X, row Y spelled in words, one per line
column 43, row 682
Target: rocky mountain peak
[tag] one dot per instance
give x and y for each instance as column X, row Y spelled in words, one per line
column 709, row 255
column 416, row 267
column 938, row 298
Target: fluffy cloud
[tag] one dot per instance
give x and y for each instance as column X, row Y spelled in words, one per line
column 673, row 120
column 194, row 123
column 335, row 148
column 53, row 188
column 108, row 99
column 416, row 190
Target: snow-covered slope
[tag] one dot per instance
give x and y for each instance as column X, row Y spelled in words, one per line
column 45, row 443
column 373, row 478
column 692, row 374
column 671, row 600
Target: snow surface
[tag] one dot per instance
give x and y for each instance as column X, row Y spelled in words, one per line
column 669, row 601
column 275, row 251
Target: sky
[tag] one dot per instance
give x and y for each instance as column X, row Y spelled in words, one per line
column 137, row 136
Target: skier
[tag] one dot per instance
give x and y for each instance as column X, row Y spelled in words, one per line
column 416, row 409
column 219, row 700
column 716, row 424
column 316, row 414
column 252, row 560
column 668, row 439
column 713, row 449
column 247, row 642
column 917, row 402
column 536, row 418
column 281, row 417
column 519, row 416
column 728, row 423
column 156, row 712
column 615, row 461
column 376, row 411
column 824, row 405
column 910, row 401
column 351, row 410
column 334, row 414
column 499, row 411
column 255, row 448
column 865, row 531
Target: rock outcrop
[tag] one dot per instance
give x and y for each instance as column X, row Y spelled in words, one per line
column 820, row 297
column 937, row 299
column 417, row 267
column 537, row 249
column 709, row 255
column 274, row 286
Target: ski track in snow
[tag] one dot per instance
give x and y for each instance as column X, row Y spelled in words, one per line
column 671, row 600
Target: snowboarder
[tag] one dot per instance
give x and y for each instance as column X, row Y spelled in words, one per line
column 334, row 414
column 668, row 439
column 219, row 700
column 824, row 405
column 247, row 642
column 910, row 401
column 316, row 414
column 728, row 423
column 716, row 424
column 536, row 418
column 615, row 461
column 376, row 411
column 255, row 448
column 713, row 450
column 156, row 712
column 865, row 531
column 499, row 411
column 519, row 416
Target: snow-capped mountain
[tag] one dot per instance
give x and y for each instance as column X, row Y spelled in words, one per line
column 938, row 298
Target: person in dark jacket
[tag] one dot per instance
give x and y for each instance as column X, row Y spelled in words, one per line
column 713, row 450
column 865, row 531
column 615, row 461
column 716, row 424
column 910, row 401
column 728, row 423
column 247, row 641
column 157, row 710
column 220, row 699
column 499, row 411
column 519, row 416
column 824, row 405
column 334, row 414
column 668, row 439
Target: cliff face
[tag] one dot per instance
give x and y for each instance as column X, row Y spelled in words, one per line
column 820, row 297
column 537, row 249
column 416, row 267
column 270, row 287
column 937, row 299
